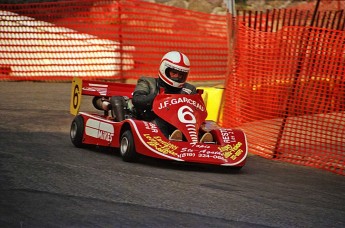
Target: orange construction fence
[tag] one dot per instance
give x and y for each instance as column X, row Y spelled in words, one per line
column 117, row 40
column 284, row 81
column 287, row 91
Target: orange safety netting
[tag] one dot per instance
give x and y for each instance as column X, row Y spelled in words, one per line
column 107, row 39
column 287, row 91
column 286, row 87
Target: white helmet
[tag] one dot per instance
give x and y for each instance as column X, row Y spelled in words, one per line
column 174, row 69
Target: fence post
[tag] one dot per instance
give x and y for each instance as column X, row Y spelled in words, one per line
column 294, row 85
column 231, row 32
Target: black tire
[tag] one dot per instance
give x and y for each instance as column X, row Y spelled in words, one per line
column 77, row 131
column 127, row 147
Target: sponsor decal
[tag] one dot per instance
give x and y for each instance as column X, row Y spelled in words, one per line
column 146, row 137
column 151, row 126
column 202, row 153
column 186, row 152
column 161, row 145
column 231, row 151
column 100, row 130
column 187, row 100
column 100, row 88
column 227, row 135
column 205, row 153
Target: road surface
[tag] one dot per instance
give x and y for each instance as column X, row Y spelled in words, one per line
column 46, row 182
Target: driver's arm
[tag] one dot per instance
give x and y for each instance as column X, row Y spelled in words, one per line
column 143, row 95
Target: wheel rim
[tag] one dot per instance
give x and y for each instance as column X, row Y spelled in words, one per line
column 124, row 145
column 74, row 129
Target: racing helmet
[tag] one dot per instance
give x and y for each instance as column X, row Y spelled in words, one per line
column 174, row 69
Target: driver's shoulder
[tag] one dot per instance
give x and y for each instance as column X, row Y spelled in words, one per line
column 189, row 88
column 147, row 84
column 149, row 80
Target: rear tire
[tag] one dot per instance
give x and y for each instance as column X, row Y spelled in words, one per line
column 127, row 147
column 77, row 131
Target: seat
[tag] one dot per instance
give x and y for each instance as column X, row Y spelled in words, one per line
column 176, row 136
column 207, row 138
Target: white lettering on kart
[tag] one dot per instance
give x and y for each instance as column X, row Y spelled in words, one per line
column 151, row 126
column 100, row 130
column 100, row 88
column 186, row 152
column 175, row 101
column 186, row 116
column 211, row 154
column 204, row 153
column 227, row 135
column 204, row 146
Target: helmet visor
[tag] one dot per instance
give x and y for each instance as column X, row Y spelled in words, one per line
column 177, row 76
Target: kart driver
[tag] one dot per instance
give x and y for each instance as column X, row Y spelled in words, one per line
column 173, row 72
column 172, row 75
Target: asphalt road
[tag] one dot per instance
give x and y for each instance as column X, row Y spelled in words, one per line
column 46, row 182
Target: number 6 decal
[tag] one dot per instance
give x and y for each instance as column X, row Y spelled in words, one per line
column 77, row 84
column 185, row 115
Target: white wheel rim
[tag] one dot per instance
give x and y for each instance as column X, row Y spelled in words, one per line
column 124, row 145
column 74, row 129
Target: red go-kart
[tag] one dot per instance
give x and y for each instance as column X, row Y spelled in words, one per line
column 133, row 136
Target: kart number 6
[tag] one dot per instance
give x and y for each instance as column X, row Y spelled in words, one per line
column 185, row 115
column 77, row 84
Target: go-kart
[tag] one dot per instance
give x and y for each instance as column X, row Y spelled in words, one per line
column 134, row 137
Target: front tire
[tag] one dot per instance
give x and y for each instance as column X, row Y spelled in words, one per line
column 127, row 147
column 77, row 131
